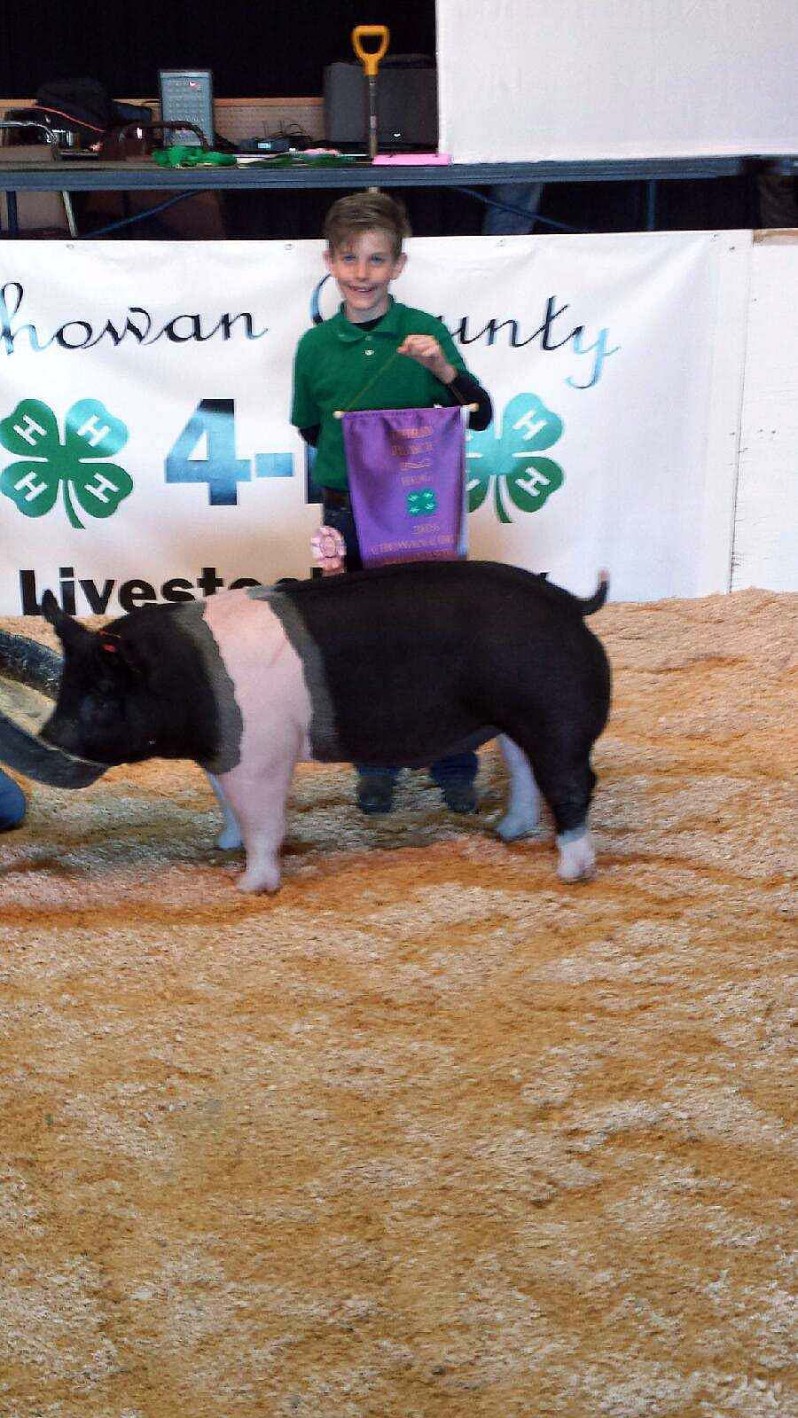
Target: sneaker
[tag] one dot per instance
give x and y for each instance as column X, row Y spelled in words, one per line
column 460, row 797
column 375, row 793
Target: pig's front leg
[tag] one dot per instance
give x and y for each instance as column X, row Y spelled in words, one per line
column 523, row 807
column 258, row 798
column 230, row 835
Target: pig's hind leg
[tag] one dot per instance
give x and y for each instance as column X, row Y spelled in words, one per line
column 522, row 814
column 577, row 855
column 568, row 788
column 566, row 780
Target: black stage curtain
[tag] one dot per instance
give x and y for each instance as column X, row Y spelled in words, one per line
column 258, row 48
column 254, row 49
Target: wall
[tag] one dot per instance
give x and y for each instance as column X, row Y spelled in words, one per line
column 765, row 546
column 237, row 118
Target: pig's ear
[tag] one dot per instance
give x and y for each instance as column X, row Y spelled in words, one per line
column 118, row 654
column 50, row 608
column 69, row 631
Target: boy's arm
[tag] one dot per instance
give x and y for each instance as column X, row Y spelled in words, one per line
column 427, row 350
column 468, row 390
column 305, row 412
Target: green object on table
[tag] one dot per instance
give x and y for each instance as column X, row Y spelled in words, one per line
column 183, row 155
column 324, row 159
column 300, row 159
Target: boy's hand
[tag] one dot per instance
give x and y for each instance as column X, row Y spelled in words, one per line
column 424, row 349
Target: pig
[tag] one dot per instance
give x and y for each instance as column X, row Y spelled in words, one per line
column 399, row 664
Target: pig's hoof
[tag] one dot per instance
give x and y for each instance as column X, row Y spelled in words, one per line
column 577, row 857
column 517, row 824
column 252, row 881
column 229, row 838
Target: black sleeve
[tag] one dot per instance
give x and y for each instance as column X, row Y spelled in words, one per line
column 311, row 434
column 468, row 390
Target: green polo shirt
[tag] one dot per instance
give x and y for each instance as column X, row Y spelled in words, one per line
column 336, row 360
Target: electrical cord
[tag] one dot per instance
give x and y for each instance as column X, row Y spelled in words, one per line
column 141, row 216
column 533, row 217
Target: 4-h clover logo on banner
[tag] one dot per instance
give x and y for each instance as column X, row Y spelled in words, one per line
column 76, row 464
column 512, row 459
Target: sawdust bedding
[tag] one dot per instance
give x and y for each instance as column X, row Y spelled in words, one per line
column 428, row 1133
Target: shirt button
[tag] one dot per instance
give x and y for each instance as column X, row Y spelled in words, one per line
column 368, row 351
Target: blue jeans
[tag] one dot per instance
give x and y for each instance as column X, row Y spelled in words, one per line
column 457, row 767
column 513, row 210
column 12, row 803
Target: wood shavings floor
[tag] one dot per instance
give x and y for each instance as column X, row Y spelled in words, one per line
column 428, row 1134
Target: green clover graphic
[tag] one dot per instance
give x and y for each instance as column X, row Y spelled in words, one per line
column 91, row 434
column 512, row 458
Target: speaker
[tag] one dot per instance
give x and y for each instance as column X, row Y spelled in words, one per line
column 407, row 105
column 187, row 94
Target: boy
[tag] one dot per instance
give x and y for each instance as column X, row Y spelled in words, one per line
column 339, row 365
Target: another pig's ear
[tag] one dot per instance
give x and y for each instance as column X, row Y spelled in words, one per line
column 70, row 632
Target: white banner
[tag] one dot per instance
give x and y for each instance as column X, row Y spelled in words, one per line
column 145, row 443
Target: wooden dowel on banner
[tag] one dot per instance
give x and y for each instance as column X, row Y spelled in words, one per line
column 339, row 413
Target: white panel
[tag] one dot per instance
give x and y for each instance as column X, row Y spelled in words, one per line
column 525, row 80
column 766, row 534
column 724, row 413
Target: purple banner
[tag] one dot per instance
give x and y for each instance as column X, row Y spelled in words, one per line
column 406, row 472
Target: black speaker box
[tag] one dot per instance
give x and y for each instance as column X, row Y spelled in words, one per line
column 407, row 105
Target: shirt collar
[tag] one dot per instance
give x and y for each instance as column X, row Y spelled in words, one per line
column 388, row 325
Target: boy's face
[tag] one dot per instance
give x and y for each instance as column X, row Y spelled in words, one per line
column 363, row 268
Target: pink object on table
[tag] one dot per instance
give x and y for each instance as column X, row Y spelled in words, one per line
column 411, row 160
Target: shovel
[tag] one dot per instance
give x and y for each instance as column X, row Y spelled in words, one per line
column 370, row 59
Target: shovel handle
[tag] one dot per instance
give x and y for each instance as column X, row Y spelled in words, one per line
column 370, row 58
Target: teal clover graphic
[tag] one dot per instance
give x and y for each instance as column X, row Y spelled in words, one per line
column 76, row 465
column 422, row 502
column 512, row 461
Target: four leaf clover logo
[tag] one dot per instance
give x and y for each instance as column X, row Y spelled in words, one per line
column 76, row 465
column 422, row 503
column 513, row 458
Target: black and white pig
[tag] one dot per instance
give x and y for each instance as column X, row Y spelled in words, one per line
column 398, row 665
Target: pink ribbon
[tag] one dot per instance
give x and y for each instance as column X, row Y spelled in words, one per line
column 328, row 550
